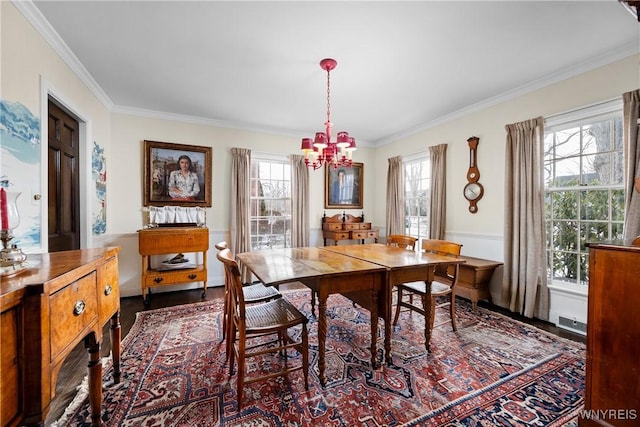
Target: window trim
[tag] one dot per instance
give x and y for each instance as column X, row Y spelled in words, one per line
column 580, row 114
column 284, row 159
column 578, row 117
column 414, row 158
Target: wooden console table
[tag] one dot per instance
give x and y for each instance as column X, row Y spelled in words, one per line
column 61, row 299
column 347, row 227
column 474, row 278
column 171, row 240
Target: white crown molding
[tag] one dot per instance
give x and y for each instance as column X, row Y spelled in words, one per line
column 35, row 17
column 161, row 115
column 588, row 65
column 40, row 23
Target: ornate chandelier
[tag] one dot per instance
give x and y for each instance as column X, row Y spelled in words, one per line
column 321, row 150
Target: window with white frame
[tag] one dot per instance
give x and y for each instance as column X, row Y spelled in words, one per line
column 417, row 187
column 270, row 206
column 584, row 193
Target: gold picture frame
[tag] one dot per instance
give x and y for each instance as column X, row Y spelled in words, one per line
column 165, row 186
column 343, row 187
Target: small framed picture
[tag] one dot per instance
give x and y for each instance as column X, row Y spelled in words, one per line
column 176, row 174
column 343, row 186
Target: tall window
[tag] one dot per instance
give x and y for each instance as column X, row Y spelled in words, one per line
column 584, row 193
column 417, row 187
column 270, row 203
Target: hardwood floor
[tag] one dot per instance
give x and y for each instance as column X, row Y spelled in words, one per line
column 74, row 368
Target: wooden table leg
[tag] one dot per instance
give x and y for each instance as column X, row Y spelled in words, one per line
column 95, row 378
column 374, row 327
column 427, row 311
column 322, row 335
column 387, row 294
column 115, row 345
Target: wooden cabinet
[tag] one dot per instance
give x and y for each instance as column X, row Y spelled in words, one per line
column 171, row 240
column 10, row 362
column 474, row 279
column 347, row 227
column 612, row 388
column 59, row 301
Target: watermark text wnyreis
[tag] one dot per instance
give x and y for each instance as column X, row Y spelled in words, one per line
column 609, row 414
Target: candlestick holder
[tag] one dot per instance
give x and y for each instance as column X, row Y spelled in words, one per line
column 12, row 259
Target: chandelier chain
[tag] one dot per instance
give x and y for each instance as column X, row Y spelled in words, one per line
column 328, row 96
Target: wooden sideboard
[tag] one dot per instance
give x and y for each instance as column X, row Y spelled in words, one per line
column 612, row 388
column 63, row 298
column 171, row 240
column 347, row 227
column 474, row 279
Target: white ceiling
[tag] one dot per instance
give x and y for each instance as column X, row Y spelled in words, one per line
column 402, row 66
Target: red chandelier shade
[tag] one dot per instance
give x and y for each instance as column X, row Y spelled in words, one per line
column 321, row 150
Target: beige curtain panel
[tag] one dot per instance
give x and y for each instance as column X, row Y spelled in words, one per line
column 631, row 112
column 240, row 201
column 395, row 197
column 438, row 204
column 524, row 286
column 299, row 202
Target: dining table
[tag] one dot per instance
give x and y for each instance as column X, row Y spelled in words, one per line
column 325, row 273
column 401, row 266
column 364, row 273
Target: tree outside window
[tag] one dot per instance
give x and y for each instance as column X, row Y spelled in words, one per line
column 270, row 208
column 584, row 194
column 417, row 187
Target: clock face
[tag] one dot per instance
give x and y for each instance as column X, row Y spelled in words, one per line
column 473, row 191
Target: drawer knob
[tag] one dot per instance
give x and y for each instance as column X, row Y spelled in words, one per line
column 192, row 276
column 108, row 289
column 79, row 307
column 158, row 279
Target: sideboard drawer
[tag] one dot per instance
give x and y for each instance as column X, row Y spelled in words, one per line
column 373, row 234
column 108, row 289
column 365, row 226
column 153, row 278
column 336, row 235
column 332, row 226
column 352, row 226
column 359, row 234
column 72, row 309
column 159, row 241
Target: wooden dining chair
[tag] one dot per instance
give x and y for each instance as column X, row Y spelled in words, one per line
column 253, row 293
column 636, row 241
column 402, row 241
column 256, row 322
column 443, row 285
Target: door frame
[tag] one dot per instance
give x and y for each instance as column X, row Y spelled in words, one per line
column 48, row 91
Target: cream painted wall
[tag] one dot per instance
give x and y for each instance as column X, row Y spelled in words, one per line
column 126, row 180
column 31, row 70
column 129, row 132
column 482, row 233
column 27, row 61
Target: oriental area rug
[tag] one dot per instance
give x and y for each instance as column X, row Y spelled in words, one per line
column 493, row 371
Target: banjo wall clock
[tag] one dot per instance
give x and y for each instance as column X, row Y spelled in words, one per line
column 473, row 191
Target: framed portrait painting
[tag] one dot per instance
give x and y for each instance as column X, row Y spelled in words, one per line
column 343, row 186
column 176, row 174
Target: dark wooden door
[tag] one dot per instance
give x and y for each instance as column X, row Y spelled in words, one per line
column 63, row 181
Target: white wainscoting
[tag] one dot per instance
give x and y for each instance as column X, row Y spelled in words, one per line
column 568, row 302
column 564, row 301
